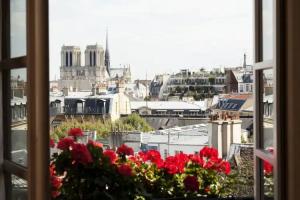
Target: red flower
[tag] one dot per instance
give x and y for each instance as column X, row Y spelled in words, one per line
column 181, row 159
column 268, row 168
column 208, row 152
column 172, row 165
column 51, row 143
column 125, row 170
column 195, row 158
column 65, row 143
column 135, row 160
column 171, row 168
column 81, row 154
column 75, row 132
column 154, row 157
column 125, row 150
column 225, row 167
column 191, row 183
column 111, row 155
column 95, row 144
column 55, row 181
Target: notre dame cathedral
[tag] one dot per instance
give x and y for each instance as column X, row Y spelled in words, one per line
column 96, row 69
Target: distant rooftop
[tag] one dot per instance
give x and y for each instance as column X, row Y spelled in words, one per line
column 169, row 105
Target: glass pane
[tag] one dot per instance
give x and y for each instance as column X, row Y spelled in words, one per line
column 267, row 108
column 19, row 188
column 18, row 109
column 18, row 28
column 268, row 29
column 268, row 180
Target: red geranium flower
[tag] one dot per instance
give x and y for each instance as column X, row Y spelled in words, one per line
column 181, row 159
column 195, row 158
column 51, row 143
column 55, row 181
column 65, row 143
column 75, row 132
column 172, row 165
column 125, row 150
column 135, row 160
column 154, row 157
column 111, row 155
column 208, row 152
column 268, row 168
column 143, row 156
column 225, row 167
column 191, row 183
column 125, row 170
column 81, row 154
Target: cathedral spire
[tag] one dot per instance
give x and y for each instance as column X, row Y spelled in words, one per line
column 245, row 64
column 107, row 57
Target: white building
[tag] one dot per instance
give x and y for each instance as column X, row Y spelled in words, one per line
column 187, row 139
column 76, row 77
column 170, row 108
column 96, row 69
column 111, row 106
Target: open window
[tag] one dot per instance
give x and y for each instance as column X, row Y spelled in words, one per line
column 24, row 99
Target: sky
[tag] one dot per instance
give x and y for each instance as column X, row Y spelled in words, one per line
column 155, row 36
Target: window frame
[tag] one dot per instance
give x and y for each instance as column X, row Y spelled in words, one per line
column 36, row 62
column 278, row 157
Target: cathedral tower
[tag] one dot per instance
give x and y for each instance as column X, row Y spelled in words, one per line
column 107, row 57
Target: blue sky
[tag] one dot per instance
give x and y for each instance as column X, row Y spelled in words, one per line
column 155, row 36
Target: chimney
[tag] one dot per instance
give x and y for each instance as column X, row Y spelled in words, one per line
column 120, row 87
column 222, row 133
column 65, row 91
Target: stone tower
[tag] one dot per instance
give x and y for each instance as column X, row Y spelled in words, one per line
column 107, row 57
column 94, row 62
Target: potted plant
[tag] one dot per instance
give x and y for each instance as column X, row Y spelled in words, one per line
column 87, row 171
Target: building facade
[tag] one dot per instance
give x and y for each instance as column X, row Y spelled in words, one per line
column 96, row 69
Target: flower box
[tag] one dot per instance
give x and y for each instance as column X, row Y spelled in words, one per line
column 87, row 171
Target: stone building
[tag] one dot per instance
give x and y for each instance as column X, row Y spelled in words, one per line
column 96, row 69
column 240, row 79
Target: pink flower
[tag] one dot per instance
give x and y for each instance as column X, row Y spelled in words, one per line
column 125, row 170
column 65, row 143
column 81, row 154
column 125, row 150
column 111, row 155
column 191, row 183
column 75, row 132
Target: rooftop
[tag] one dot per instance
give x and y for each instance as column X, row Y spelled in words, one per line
column 169, row 105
